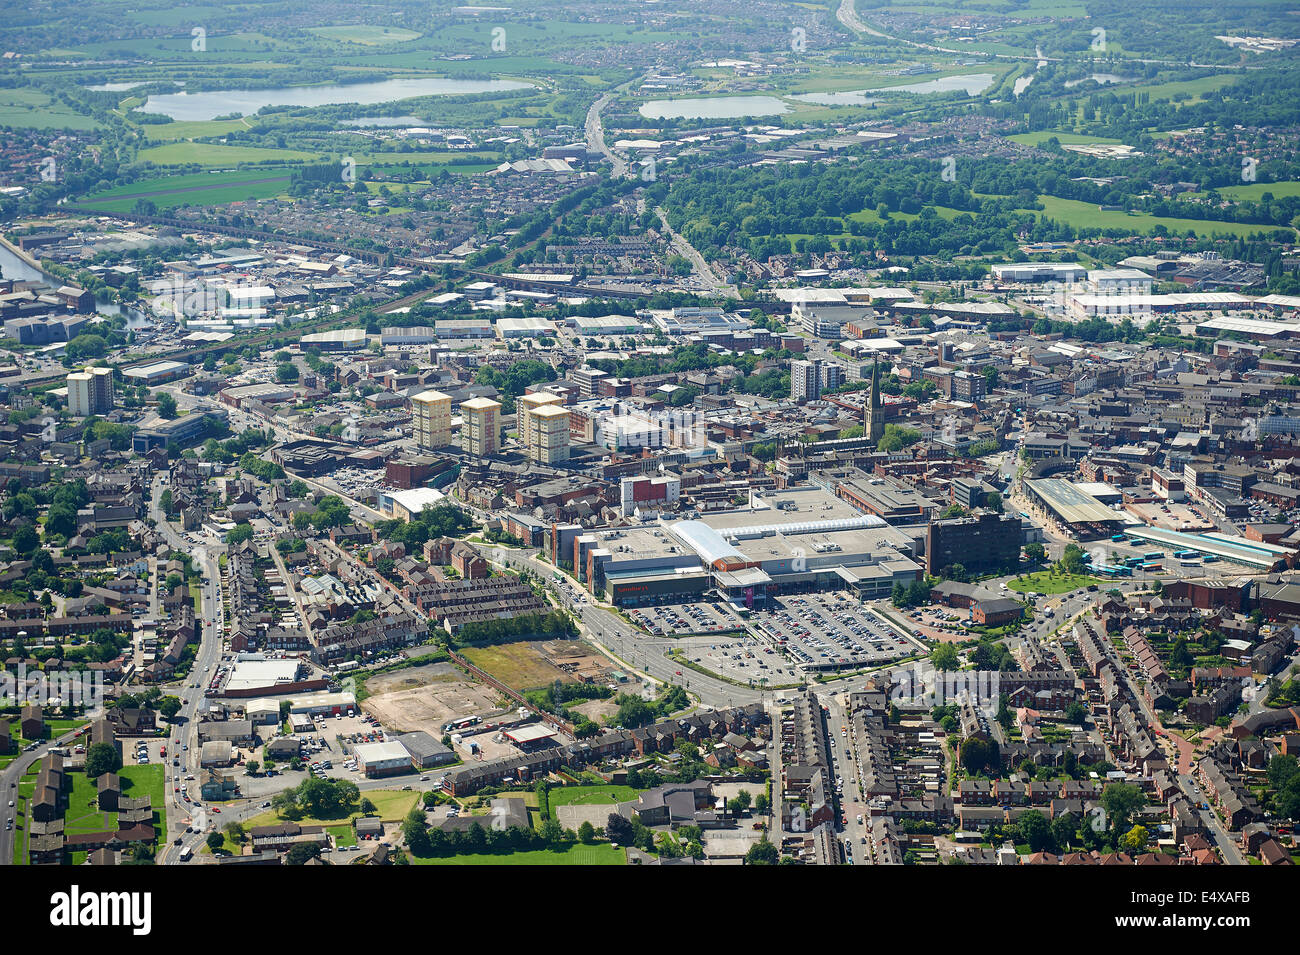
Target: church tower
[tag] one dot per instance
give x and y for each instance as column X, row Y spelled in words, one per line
column 873, row 418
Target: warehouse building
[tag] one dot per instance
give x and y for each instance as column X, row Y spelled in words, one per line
column 425, row 751
column 383, row 759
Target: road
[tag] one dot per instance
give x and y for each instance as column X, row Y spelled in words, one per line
column 703, row 271
column 596, row 135
column 185, row 724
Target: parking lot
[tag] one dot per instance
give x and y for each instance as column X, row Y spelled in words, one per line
column 744, row 659
column 677, row 619
column 829, row 632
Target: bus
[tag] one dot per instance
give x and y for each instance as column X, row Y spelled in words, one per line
column 1185, row 554
column 1209, row 558
column 1105, row 570
column 1118, row 538
column 1151, row 567
column 1133, row 561
column 1153, row 555
column 186, row 853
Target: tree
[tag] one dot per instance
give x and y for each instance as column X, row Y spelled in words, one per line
column 169, row 706
column 102, row 758
column 978, row 755
column 619, row 830
column 586, row 833
column 301, row 853
column 762, row 853
column 239, row 533
column 215, row 841
column 166, row 405
column 1121, row 800
column 944, row 657
column 25, row 541
column 1035, row 552
column 1076, row 713
column 1036, row 831
column 1064, row 828
column 1135, row 840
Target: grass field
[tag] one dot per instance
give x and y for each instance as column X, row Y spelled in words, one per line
column 391, row 805
column 366, row 36
column 1086, row 215
column 1043, row 582
column 590, row 795
column 1254, row 190
column 576, row 854
column 215, row 154
column 33, row 109
column 519, row 665
column 168, row 192
column 82, row 814
column 196, row 129
column 343, row 836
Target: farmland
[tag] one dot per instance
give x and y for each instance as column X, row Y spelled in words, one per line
column 169, row 192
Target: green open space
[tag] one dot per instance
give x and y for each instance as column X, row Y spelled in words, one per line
column 576, row 854
column 216, row 154
column 1042, row 582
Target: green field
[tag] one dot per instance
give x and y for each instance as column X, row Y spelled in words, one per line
column 1255, row 190
column 195, row 129
column 1043, row 582
column 167, row 192
column 32, row 109
column 1086, row 215
column 215, row 154
column 590, row 795
column 577, row 854
column 343, row 836
column 366, row 36
column 82, row 814
column 391, row 805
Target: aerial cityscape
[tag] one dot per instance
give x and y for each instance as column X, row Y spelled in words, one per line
column 665, row 432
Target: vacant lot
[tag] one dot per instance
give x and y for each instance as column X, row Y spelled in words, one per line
column 522, row 666
column 427, row 698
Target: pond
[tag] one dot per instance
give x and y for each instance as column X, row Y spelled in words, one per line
column 713, row 107
column 197, row 107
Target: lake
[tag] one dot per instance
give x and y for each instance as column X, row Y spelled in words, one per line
column 197, row 107
column 970, row 83
column 849, row 98
column 713, row 107
column 1105, row 79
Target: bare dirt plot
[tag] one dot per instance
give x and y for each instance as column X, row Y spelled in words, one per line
column 410, row 677
column 432, row 705
column 595, row 710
